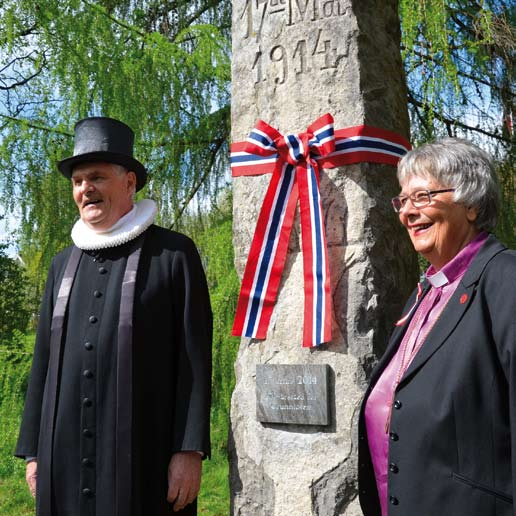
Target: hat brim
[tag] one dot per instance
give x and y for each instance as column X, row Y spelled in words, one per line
column 66, row 165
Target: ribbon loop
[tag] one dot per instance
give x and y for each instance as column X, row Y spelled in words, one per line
column 318, row 140
column 293, row 148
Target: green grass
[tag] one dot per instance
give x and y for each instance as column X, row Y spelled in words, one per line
column 214, row 495
column 15, row 499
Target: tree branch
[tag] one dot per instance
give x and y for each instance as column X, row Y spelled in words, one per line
column 200, row 12
column 36, row 125
column 426, row 57
column 27, row 32
column 195, row 188
column 104, row 12
column 25, row 80
column 456, row 123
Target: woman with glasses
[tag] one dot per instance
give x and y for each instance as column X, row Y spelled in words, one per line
column 437, row 429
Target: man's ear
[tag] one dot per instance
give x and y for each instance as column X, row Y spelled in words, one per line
column 131, row 181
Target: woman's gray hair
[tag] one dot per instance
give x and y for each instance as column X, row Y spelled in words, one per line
column 457, row 163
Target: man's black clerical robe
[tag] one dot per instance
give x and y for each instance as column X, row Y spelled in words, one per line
column 171, row 370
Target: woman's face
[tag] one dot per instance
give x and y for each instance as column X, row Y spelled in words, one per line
column 441, row 229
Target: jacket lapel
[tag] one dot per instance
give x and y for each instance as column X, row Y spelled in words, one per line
column 452, row 314
column 456, row 307
column 398, row 333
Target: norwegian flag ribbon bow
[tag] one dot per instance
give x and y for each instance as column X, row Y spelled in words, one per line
column 295, row 162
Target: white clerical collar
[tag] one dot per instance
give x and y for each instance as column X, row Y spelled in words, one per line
column 127, row 228
column 438, row 279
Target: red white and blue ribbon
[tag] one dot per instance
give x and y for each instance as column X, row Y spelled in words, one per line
column 295, row 162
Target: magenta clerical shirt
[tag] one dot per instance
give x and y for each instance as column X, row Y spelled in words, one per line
column 378, row 405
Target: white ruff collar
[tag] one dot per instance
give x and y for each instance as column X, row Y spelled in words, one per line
column 127, row 228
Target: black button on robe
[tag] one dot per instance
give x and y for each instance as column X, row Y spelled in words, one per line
column 172, row 327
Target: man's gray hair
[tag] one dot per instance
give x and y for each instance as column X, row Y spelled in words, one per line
column 458, row 163
column 119, row 169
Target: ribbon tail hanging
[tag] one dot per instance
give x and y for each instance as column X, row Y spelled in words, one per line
column 267, row 255
column 317, row 310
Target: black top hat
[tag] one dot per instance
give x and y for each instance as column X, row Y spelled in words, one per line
column 104, row 139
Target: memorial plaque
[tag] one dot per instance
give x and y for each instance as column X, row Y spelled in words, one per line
column 292, row 394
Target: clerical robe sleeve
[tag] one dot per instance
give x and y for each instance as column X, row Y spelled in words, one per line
column 194, row 322
column 27, row 445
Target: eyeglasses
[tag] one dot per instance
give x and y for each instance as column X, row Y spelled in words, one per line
column 419, row 199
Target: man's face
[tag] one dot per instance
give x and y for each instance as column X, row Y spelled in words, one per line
column 103, row 193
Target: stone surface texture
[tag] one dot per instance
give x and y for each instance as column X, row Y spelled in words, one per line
column 294, row 60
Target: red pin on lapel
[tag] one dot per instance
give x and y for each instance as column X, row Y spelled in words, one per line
column 463, row 298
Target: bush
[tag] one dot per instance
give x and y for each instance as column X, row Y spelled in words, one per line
column 213, row 236
column 14, row 372
column 14, row 313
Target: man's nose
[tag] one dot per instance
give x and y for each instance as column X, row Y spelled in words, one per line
column 86, row 186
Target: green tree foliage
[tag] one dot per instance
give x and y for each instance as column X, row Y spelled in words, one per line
column 14, row 313
column 14, row 358
column 214, row 234
column 460, row 59
column 14, row 372
column 460, row 62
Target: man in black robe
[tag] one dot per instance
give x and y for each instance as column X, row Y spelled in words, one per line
column 116, row 419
